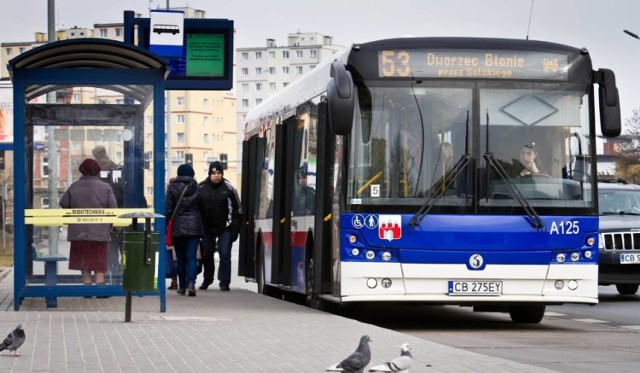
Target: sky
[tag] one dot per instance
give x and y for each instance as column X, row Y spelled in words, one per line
column 596, row 25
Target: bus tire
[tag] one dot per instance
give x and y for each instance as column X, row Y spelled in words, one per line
column 311, row 299
column 263, row 288
column 627, row 289
column 531, row 314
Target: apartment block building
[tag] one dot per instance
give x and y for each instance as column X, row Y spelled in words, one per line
column 261, row 71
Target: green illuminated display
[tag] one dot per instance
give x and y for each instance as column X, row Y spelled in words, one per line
column 205, row 55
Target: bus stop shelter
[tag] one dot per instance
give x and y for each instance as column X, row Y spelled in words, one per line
column 70, row 98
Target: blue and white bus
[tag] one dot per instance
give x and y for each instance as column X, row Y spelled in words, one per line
column 413, row 148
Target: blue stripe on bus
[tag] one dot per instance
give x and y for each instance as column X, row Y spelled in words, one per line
column 453, row 238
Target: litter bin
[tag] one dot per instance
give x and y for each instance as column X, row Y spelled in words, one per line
column 138, row 264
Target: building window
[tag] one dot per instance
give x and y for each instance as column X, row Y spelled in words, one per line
column 180, row 137
column 119, row 31
column 103, row 33
column 311, row 67
column 205, row 121
column 9, row 51
column 284, row 84
column 258, row 55
column 75, row 97
column 299, row 54
column 245, row 71
column 285, row 69
column 119, row 156
column 21, row 50
column 206, row 138
column 285, row 54
column 258, row 70
column 245, row 87
column 44, row 202
column 272, row 86
column 272, row 71
column 44, row 168
column 244, row 56
column 205, row 102
column 149, row 119
column 272, row 54
column 180, row 101
column 258, row 101
column 245, row 102
column 313, row 53
column 258, row 86
column 180, row 118
column 149, row 191
column 298, row 70
column 180, row 154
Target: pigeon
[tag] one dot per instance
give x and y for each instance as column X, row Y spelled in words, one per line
column 357, row 361
column 400, row 364
column 14, row 340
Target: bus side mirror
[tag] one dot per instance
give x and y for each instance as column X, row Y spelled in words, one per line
column 610, row 124
column 340, row 99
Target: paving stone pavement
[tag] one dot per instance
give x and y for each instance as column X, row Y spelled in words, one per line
column 236, row 331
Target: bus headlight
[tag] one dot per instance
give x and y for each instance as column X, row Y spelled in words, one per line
column 370, row 254
column 353, row 239
column 386, row 256
column 588, row 254
column 560, row 258
column 572, row 285
column 355, row 252
column 575, row 257
column 372, row 283
column 591, row 241
column 559, row 284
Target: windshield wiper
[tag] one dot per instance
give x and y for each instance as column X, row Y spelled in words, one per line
column 437, row 190
column 534, row 219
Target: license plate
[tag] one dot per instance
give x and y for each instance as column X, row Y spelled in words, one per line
column 629, row 258
column 475, row 287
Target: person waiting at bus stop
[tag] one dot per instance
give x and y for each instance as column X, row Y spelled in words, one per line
column 221, row 216
column 88, row 252
column 187, row 226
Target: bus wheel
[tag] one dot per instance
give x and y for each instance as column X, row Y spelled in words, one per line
column 263, row 288
column 527, row 314
column 311, row 298
column 627, row 289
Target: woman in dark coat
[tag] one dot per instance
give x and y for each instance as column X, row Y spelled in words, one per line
column 187, row 226
column 89, row 241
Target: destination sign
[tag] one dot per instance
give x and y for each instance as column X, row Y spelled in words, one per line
column 472, row 64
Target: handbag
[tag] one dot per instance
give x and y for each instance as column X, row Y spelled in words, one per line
column 168, row 238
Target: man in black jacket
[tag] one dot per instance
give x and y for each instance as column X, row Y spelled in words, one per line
column 221, row 215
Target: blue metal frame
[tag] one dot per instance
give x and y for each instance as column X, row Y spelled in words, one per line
column 25, row 77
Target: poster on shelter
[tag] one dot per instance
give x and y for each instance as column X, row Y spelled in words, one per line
column 6, row 113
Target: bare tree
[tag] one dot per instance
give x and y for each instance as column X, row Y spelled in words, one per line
column 628, row 152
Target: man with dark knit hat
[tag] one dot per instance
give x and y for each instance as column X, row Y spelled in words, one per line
column 221, row 216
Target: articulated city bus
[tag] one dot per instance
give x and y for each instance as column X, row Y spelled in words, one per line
column 431, row 170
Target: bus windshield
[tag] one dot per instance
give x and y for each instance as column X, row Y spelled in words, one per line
column 417, row 140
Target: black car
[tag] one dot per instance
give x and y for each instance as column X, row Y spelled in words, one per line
column 619, row 247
